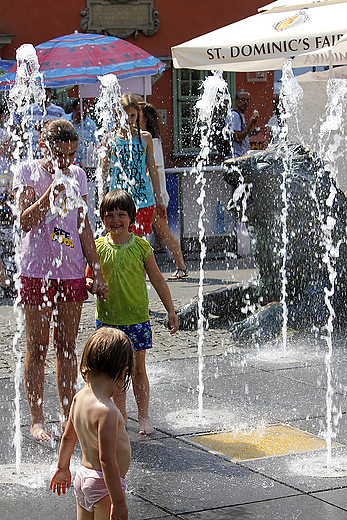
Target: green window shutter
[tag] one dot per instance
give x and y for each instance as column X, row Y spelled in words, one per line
column 186, row 91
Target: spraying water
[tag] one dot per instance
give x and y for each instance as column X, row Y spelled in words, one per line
column 108, row 109
column 27, row 92
column 215, row 95
column 329, row 150
column 28, row 85
column 291, row 94
column 336, row 93
column 112, row 117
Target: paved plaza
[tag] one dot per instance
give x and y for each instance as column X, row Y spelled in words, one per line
column 254, row 450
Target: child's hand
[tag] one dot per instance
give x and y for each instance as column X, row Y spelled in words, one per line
column 173, row 323
column 119, row 513
column 58, row 188
column 89, row 284
column 61, row 481
column 99, row 288
column 102, row 291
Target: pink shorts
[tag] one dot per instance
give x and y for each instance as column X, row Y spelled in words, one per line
column 89, row 487
column 142, row 225
column 39, row 291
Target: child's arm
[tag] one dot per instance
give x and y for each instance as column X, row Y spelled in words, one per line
column 159, row 284
column 154, row 175
column 89, row 250
column 89, row 275
column 61, row 479
column 107, row 436
column 32, row 211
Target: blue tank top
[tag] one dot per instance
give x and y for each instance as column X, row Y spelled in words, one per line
column 129, row 170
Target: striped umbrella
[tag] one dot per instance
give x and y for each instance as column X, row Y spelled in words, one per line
column 80, row 58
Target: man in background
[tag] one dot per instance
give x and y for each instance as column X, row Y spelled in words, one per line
column 87, row 143
column 37, row 114
column 237, row 127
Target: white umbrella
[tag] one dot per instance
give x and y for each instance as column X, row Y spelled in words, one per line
column 312, row 33
column 286, row 5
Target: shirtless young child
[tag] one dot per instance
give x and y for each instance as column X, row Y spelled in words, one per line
column 94, row 419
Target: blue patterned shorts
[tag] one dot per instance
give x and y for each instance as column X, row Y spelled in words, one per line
column 139, row 334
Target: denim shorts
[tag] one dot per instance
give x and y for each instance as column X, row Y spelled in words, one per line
column 139, row 334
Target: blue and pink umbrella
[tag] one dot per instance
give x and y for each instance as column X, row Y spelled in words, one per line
column 80, row 58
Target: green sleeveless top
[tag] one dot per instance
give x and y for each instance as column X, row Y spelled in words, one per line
column 122, row 268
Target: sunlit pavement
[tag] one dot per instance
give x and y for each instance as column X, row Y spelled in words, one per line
column 254, row 449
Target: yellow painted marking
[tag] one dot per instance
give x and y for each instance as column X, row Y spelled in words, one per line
column 262, row 442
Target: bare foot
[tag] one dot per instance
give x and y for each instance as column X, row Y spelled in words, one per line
column 40, row 432
column 145, row 426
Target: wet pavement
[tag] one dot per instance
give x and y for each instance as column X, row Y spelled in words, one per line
column 175, row 473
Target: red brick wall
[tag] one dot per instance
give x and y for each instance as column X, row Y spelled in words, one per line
column 180, row 20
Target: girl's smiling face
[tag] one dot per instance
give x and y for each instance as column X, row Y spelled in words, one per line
column 117, row 223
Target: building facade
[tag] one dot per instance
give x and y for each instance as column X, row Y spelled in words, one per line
column 172, row 22
column 156, row 26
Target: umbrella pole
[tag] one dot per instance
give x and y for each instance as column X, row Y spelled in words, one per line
column 82, row 128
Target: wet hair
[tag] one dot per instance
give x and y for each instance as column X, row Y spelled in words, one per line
column 121, row 200
column 152, row 119
column 54, row 131
column 108, row 350
column 129, row 101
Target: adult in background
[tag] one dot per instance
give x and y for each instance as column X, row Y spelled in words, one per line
column 239, row 131
column 236, row 124
column 38, row 114
column 49, row 111
column 149, row 121
column 87, row 141
column 273, row 126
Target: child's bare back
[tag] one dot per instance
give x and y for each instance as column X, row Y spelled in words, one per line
column 90, row 414
column 94, row 420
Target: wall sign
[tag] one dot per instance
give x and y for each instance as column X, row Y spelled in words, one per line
column 256, row 76
column 120, row 18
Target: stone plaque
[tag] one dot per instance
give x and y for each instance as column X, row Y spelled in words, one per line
column 120, row 18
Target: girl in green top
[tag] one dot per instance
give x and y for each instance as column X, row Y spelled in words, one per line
column 124, row 259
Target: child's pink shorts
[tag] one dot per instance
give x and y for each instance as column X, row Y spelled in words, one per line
column 89, row 487
column 39, row 291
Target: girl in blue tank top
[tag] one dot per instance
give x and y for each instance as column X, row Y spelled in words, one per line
column 128, row 155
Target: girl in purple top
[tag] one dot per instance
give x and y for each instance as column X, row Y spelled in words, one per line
column 56, row 237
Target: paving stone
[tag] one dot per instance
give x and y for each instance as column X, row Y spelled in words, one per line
column 337, row 497
column 182, row 478
column 300, row 507
column 169, row 476
column 306, row 471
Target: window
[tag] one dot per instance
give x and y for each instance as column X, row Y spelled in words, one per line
column 186, row 91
